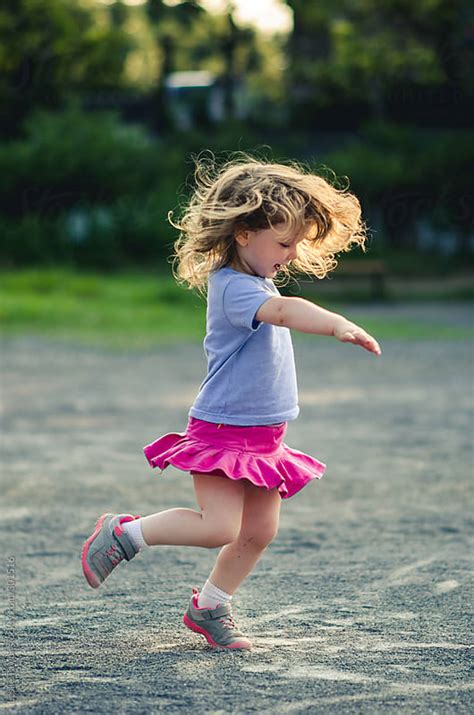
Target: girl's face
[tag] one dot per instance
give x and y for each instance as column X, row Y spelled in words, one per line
column 262, row 253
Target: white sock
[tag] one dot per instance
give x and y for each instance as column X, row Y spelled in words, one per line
column 211, row 596
column 133, row 529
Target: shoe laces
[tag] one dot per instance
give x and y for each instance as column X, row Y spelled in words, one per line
column 114, row 554
column 228, row 621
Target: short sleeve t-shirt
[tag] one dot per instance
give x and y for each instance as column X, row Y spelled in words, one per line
column 251, row 376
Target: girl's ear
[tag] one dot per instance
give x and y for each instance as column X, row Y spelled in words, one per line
column 242, row 238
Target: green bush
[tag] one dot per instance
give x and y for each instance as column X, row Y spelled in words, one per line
column 89, row 190
column 86, row 189
column 70, row 156
column 132, row 231
column 31, row 240
column 386, row 156
column 412, row 177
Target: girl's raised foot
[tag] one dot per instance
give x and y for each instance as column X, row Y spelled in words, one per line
column 106, row 548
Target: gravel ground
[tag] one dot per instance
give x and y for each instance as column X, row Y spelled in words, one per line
column 361, row 604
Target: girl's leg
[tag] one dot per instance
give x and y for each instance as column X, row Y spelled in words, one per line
column 259, row 527
column 221, row 502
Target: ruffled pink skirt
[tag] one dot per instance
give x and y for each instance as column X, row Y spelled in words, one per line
column 257, row 454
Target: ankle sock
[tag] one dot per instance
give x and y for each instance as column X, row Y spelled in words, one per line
column 211, row 596
column 133, row 529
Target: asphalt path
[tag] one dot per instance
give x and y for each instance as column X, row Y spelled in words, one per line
column 363, row 603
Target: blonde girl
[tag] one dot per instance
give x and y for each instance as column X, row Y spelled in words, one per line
column 248, row 225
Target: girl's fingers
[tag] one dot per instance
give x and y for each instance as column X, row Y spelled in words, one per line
column 372, row 345
column 363, row 339
column 375, row 348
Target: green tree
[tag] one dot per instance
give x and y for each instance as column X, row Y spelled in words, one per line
column 50, row 49
column 188, row 37
column 357, row 50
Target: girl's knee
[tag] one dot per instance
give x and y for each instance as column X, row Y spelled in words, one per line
column 260, row 537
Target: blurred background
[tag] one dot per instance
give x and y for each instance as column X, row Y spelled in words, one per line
column 104, row 102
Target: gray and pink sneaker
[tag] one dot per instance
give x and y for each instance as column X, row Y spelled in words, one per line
column 216, row 625
column 106, row 548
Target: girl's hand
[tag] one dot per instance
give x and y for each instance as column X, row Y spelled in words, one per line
column 348, row 332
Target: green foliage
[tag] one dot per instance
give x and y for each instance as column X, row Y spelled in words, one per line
column 387, row 155
column 359, row 50
column 71, row 156
column 411, row 176
column 29, row 240
column 52, row 48
column 86, row 189
column 89, row 190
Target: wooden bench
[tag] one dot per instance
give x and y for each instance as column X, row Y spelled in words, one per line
column 373, row 270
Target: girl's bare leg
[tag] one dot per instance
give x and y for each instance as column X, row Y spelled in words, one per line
column 221, row 502
column 260, row 519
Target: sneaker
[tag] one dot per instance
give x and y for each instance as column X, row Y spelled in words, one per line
column 216, row 625
column 106, row 548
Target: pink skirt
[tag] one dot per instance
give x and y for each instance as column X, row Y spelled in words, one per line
column 257, row 454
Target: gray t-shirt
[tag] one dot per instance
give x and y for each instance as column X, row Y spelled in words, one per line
column 251, row 377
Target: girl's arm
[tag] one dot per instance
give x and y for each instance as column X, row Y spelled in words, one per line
column 300, row 314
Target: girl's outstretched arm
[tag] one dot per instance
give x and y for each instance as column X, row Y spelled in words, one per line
column 300, row 314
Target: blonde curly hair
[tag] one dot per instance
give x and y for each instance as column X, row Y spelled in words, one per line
column 248, row 194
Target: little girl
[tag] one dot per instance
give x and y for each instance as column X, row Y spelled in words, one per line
column 247, row 222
